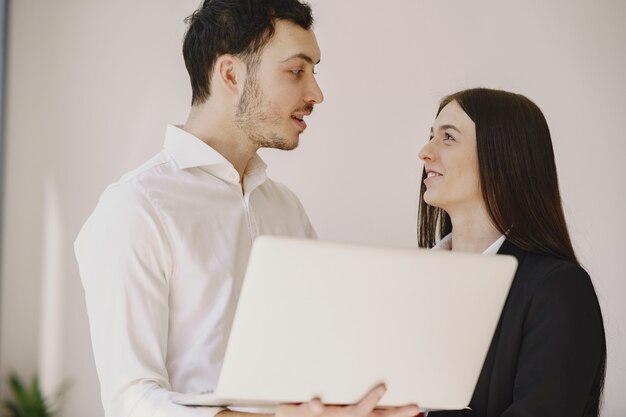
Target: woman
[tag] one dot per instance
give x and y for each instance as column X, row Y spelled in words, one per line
column 490, row 186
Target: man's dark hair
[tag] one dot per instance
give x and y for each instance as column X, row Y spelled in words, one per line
column 238, row 27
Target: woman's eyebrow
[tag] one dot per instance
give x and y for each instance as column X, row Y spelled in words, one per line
column 444, row 127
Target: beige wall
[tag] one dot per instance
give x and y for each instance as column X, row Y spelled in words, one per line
column 92, row 85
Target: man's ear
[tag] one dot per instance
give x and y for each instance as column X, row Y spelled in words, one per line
column 229, row 72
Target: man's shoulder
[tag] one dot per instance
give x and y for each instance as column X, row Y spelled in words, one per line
column 277, row 186
column 278, row 190
column 286, row 204
column 124, row 209
column 132, row 189
column 159, row 165
column 156, row 171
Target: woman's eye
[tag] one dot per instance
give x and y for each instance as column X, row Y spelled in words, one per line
column 448, row 137
column 296, row 72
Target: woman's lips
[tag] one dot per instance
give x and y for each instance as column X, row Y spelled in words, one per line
column 431, row 175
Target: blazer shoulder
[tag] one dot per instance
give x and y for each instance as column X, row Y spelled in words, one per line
column 539, row 272
column 548, row 278
column 549, row 267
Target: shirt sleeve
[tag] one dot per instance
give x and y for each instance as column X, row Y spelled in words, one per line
column 561, row 349
column 125, row 262
column 309, row 229
column 288, row 200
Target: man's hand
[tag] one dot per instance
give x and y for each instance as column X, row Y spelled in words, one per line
column 364, row 408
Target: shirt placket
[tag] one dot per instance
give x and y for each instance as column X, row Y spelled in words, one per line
column 252, row 225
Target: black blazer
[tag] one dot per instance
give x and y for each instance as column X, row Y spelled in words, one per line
column 548, row 347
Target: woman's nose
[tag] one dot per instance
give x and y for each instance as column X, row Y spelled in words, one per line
column 426, row 153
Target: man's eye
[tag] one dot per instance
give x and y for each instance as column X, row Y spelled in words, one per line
column 448, row 137
column 296, row 72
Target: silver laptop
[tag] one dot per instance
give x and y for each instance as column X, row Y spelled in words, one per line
column 331, row 320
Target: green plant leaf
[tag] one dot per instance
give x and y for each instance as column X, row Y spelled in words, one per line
column 27, row 402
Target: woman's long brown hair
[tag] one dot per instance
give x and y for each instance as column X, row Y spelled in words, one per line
column 517, row 174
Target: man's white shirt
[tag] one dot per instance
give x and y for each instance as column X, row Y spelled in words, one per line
column 162, row 259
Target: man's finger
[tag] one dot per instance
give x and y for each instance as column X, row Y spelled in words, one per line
column 368, row 403
column 313, row 408
column 405, row 411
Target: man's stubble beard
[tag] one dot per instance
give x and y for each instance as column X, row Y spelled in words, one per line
column 255, row 122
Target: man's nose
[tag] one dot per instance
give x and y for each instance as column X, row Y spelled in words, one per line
column 314, row 93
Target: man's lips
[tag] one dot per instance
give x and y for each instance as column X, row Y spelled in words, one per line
column 299, row 122
column 298, row 118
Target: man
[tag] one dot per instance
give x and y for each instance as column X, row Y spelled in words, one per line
column 163, row 256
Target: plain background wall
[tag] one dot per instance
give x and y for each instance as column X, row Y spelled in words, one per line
column 92, row 85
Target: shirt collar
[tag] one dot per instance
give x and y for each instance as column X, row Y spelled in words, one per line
column 190, row 152
column 446, row 244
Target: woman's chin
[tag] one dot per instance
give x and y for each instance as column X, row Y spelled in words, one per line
column 432, row 200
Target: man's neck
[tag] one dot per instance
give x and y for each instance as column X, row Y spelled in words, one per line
column 216, row 129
